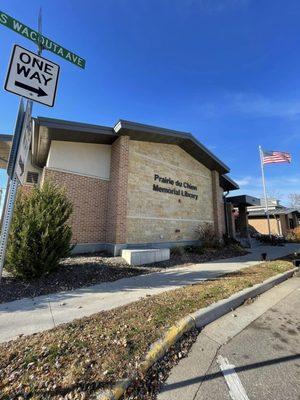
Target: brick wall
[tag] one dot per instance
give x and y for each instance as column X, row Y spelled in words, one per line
column 117, row 192
column 26, row 188
column 218, row 205
column 89, row 198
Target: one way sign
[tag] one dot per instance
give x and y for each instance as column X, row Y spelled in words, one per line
column 32, row 76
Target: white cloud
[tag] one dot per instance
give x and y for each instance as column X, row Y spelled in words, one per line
column 244, row 181
column 263, row 106
column 252, row 105
column 279, row 187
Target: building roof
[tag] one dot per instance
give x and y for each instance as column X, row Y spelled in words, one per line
column 47, row 129
column 280, row 211
column 227, row 183
column 243, row 200
column 185, row 140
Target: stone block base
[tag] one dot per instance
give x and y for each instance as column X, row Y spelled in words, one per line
column 145, row 256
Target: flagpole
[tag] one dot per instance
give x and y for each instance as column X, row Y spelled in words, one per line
column 264, row 188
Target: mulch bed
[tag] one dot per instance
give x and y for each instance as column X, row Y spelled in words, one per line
column 74, row 273
column 81, row 271
column 186, row 259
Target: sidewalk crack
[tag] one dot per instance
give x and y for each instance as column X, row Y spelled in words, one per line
column 51, row 313
column 208, row 368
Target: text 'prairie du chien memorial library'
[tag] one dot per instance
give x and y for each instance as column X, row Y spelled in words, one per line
column 132, row 185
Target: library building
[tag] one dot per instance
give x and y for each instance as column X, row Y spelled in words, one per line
column 131, row 185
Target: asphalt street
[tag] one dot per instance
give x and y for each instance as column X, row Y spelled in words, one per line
column 252, row 353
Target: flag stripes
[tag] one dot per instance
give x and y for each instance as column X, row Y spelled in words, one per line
column 271, row 157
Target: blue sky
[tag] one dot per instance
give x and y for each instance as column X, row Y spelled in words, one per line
column 226, row 70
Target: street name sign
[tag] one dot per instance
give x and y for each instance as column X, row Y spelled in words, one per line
column 32, row 76
column 39, row 39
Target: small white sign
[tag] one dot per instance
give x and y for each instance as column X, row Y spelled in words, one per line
column 32, row 76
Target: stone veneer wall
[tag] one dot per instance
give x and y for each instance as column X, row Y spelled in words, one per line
column 156, row 216
column 117, row 194
column 89, row 198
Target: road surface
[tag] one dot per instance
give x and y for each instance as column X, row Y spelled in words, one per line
column 252, row 353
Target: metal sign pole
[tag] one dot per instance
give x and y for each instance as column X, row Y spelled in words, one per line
column 264, row 188
column 8, row 212
column 13, row 183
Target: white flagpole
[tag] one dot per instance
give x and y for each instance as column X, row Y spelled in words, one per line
column 264, row 188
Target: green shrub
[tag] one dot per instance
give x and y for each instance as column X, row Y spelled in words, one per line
column 293, row 235
column 39, row 235
column 177, row 251
column 272, row 240
column 208, row 236
column 194, row 249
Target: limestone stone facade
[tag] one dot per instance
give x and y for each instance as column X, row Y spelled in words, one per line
column 154, row 216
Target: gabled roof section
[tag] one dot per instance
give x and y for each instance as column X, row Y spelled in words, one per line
column 227, row 183
column 279, row 211
column 185, row 140
column 47, row 129
column 243, row 200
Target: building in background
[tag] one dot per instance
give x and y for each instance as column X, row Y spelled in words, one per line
column 282, row 219
column 237, row 208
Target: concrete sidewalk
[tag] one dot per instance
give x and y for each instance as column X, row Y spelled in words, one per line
column 28, row 316
column 260, row 339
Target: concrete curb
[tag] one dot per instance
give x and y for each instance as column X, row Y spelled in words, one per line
column 216, row 310
column 198, row 320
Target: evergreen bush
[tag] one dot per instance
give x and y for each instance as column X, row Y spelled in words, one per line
column 40, row 235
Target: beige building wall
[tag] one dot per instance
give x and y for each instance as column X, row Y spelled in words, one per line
column 88, row 159
column 154, row 216
column 261, row 225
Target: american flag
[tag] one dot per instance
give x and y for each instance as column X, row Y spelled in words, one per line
column 270, row 157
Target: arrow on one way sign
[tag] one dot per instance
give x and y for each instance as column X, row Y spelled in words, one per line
column 38, row 91
column 32, row 76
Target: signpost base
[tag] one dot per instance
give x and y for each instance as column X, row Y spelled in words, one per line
column 8, row 213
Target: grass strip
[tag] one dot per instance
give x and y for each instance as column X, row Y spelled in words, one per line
column 94, row 352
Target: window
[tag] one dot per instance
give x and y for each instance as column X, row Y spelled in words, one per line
column 32, row 177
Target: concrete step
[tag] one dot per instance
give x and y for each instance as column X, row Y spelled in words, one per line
column 145, row 256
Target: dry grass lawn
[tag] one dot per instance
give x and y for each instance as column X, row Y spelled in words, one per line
column 74, row 359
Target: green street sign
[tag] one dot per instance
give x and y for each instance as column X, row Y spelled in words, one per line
column 35, row 37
